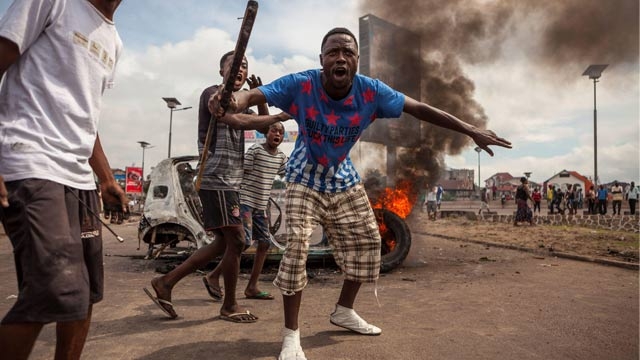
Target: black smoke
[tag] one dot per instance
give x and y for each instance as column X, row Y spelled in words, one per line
column 561, row 36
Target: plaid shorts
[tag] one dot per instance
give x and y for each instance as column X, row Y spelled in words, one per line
column 349, row 224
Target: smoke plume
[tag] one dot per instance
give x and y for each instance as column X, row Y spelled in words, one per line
column 561, row 37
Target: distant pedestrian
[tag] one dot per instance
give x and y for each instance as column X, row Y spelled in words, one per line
column 633, row 195
column 602, row 199
column 591, row 199
column 570, row 197
column 537, row 197
column 439, row 193
column 431, row 203
column 484, row 201
column 616, row 196
column 558, row 198
column 524, row 212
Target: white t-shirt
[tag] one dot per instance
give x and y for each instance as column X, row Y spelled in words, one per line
column 50, row 98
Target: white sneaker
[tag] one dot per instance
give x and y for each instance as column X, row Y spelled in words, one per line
column 349, row 319
column 291, row 349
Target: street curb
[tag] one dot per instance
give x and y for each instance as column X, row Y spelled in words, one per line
column 621, row 264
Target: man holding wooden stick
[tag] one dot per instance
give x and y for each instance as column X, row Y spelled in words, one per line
column 219, row 193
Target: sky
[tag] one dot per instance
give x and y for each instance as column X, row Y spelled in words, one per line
column 544, row 107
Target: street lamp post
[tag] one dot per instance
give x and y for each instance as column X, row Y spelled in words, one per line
column 144, row 145
column 172, row 103
column 478, row 150
column 594, row 72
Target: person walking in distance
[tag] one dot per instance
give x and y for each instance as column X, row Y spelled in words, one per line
column 591, row 200
column 219, row 193
column 484, row 201
column 537, row 198
column 53, row 79
column 333, row 106
column 616, row 197
column 523, row 213
column 431, row 202
column 633, row 195
column 603, row 195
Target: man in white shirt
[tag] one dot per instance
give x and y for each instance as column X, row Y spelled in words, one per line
column 57, row 57
column 616, row 194
column 633, row 195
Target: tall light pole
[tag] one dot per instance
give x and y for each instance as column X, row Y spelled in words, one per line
column 594, row 72
column 172, row 103
column 144, row 146
column 478, row 150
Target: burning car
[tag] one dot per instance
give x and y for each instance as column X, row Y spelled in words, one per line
column 173, row 214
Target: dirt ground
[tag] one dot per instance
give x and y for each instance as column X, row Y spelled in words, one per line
column 450, row 299
column 595, row 243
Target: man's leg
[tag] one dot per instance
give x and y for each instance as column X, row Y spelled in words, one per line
column 234, row 237
column 348, row 293
column 164, row 284
column 213, row 277
column 256, row 270
column 71, row 337
column 16, row 340
column 291, row 306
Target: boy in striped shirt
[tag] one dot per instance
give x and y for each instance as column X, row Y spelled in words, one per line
column 262, row 162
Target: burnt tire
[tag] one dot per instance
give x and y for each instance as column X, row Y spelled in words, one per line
column 396, row 239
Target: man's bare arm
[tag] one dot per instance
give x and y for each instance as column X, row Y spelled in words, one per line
column 252, row 121
column 9, row 54
column 113, row 197
column 240, row 101
column 483, row 138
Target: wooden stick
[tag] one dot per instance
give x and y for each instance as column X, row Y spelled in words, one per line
column 238, row 57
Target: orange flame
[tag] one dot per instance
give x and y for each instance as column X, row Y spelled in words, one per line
column 399, row 200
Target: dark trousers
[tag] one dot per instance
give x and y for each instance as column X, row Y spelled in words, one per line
column 536, row 205
column 602, row 204
column 632, row 206
column 617, row 204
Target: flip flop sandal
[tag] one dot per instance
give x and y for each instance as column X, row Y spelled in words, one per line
column 215, row 293
column 164, row 305
column 242, row 317
column 262, row 295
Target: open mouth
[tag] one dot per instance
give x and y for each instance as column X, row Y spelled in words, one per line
column 340, row 72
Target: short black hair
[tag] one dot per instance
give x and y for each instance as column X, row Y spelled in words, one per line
column 338, row 30
column 224, row 58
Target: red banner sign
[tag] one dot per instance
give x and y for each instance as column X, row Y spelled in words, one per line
column 134, row 180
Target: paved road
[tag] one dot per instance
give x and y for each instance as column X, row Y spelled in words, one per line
column 451, row 300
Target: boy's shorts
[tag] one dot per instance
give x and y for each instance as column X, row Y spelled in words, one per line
column 57, row 245
column 256, row 225
column 351, row 228
column 220, row 208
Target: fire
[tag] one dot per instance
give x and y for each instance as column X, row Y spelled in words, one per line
column 399, row 200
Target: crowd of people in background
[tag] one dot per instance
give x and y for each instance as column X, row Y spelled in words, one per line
column 561, row 199
column 595, row 200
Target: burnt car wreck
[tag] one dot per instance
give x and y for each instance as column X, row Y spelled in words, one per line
column 173, row 214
